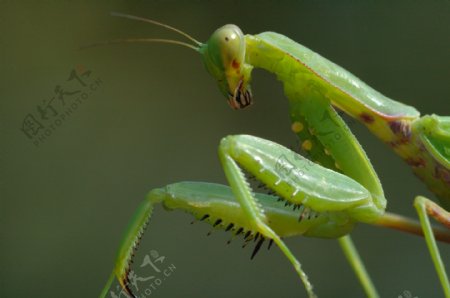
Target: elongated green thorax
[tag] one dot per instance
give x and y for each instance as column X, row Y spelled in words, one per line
column 342, row 88
column 424, row 143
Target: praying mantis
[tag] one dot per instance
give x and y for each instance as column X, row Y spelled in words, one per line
column 323, row 196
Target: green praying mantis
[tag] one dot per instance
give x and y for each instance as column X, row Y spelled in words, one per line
column 323, row 196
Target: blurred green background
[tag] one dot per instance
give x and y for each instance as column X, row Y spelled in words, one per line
column 156, row 117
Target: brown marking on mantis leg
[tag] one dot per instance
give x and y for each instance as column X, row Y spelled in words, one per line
column 416, row 162
column 367, row 118
column 235, row 64
column 402, row 133
column 398, row 142
column 442, row 173
column 401, row 128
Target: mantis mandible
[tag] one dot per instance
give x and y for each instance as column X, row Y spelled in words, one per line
column 337, row 186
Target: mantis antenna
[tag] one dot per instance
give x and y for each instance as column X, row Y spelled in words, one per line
column 156, row 40
column 131, row 17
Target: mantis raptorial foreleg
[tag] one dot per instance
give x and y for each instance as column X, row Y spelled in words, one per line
column 326, row 197
column 321, row 190
column 325, row 200
column 230, row 150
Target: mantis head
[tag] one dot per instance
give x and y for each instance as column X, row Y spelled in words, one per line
column 223, row 55
column 224, row 58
